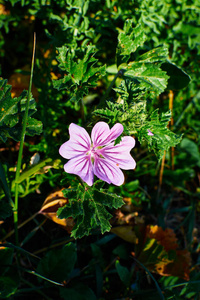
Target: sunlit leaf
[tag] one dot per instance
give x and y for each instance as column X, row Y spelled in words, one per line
column 162, row 138
column 88, row 206
column 80, row 74
column 50, row 206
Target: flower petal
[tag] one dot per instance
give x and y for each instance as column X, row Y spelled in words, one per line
column 102, row 134
column 81, row 166
column 78, row 144
column 120, row 153
column 108, row 171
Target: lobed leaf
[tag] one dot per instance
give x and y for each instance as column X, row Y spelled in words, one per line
column 88, row 209
column 80, row 72
column 162, row 138
column 131, row 38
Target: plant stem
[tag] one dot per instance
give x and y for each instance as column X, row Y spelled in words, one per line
column 119, row 73
column 19, row 160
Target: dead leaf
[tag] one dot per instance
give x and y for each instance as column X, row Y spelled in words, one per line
column 178, row 267
column 50, row 207
column 166, row 238
column 126, row 233
column 160, row 254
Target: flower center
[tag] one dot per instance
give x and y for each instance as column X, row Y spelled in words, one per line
column 93, row 152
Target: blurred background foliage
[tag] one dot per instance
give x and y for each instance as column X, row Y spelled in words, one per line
column 152, row 251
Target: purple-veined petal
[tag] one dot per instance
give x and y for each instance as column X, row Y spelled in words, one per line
column 81, row 166
column 120, row 153
column 71, row 149
column 108, row 171
column 102, row 134
column 79, row 135
column 78, row 144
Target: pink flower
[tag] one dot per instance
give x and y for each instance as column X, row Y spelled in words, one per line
column 99, row 157
column 150, row 133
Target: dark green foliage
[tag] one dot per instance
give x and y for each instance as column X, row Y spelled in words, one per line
column 78, row 292
column 88, row 206
column 62, row 259
column 12, row 112
column 178, row 79
column 79, row 76
column 162, row 138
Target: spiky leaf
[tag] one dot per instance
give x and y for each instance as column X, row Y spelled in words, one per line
column 88, row 208
column 162, row 138
column 81, row 73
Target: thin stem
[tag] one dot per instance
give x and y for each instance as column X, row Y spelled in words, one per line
column 171, row 99
column 161, row 175
column 20, row 226
column 19, row 161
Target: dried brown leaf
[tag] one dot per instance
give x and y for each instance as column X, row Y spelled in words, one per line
column 50, row 206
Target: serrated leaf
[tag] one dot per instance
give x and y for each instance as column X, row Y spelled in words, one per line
column 149, row 75
column 89, row 209
column 131, row 38
column 109, row 199
column 158, row 54
column 12, row 112
column 80, row 72
column 162, row 138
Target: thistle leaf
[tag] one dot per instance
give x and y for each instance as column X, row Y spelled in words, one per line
column 88, row 208
column 80, row 72
column 162, row 138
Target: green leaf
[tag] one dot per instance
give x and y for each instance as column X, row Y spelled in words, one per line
column 123, row 273
column 162, row 138
column 192, row 155
column 6, row 189
column 146, row 70
column 33, row 169
column 57, row 264
column 80, row 72
column 178, row 79
column 130, row 39
column 88, row 207
column 11, row 114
